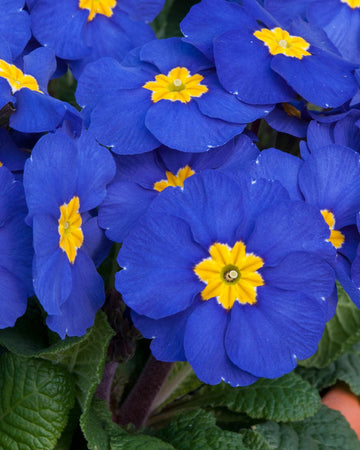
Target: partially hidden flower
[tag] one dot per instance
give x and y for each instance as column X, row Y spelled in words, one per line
column 165, row 92
column 64, row 180
column 231, row 277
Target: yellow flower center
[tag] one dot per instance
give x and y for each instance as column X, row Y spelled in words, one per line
column 279, row 41
column 174, row 180
column 103, row 7
column 352, row 3
column 178, row 84
column 336, row 237
column 230, row 274
column 71, row 235
column 16, row 78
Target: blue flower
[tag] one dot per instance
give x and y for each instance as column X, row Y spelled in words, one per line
column 16, row 251
column 269, row 64
column 340, row 19
column 82, row 31
column 161, row 94
column 25, row 86
column 64, row 180
column 140, row 179
column 230, row 277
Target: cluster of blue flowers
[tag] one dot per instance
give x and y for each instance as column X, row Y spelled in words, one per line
column 229, row 255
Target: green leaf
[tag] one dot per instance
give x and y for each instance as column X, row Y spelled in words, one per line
column 254, row 440
column 35, row 399
column 346, row 368
column 84, row 358
column 328, row 429
column 180, row 382
column 138, row 442
column 197, row 430
column 287, row 398
column 340, row 334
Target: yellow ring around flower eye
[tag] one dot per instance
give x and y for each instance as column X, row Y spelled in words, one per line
column 230, row 275
column 336, row 237
column 16, row 78
column 279, row 42
column 177, row 85
column 174, row 180
column 103, row 7
column 352, row 3
column 70, row 232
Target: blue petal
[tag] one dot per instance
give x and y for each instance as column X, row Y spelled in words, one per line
column 41, row 64
column 319, row 134
column 209, row 19
column 205, row 349
column 167, row 54
column 281, row 121
column 36, row 112
column 119, row 122
column 158, row 259
column 183, row 127
column 15, row 25
column 220, row 104
column 60, row 26
column 144, row 10
column 96, row 168
column 87, row 296
column 95, row 243
column 330, row 179
column 10, row 154
column 243, row 65
column 46, row 234
column 124, row 204
column 267, row 338
column 320, row 78
column 52, row 280
column 50, row 174
column 167, row 335
column 302, row 272
column 13, row 298
column 274, row 164
column 288, row 227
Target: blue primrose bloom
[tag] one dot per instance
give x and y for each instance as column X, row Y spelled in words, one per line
column 16, row 250
column 328, row 179
column 83, row 30
column 291, row 118
column 229, row 276
column 340, row 19
column 141, row 178
column 165, row 92
column 25, row 86
column 267, row 63
column 64, row 180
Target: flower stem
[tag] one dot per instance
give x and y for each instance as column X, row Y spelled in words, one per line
column 138, row 405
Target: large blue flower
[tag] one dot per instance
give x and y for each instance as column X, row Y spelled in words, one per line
column 140, row 179
column 83, row 30
column 64, row 180
column 165, row 92
column 16, row 251
column 266, row 63
column 229, row 276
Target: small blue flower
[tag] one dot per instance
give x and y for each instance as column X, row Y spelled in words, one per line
column 165, row 92
column 64, row 180
column 261, row 62
column 25, row 86
column 230, row 277
column 141, row 178
column 82, row 31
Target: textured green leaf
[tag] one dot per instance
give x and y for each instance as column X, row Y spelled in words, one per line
column 35, row 399
column 138, row 442
column 340, row 334
column 328, row 429
column 254, row 440
column 346, row 368
column 287, row 398
column 84, row 358
column 197, row 430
